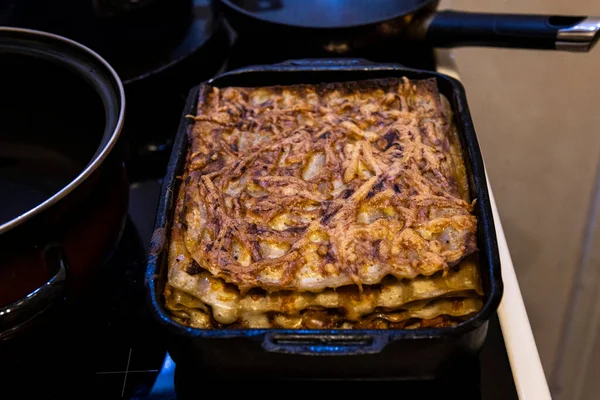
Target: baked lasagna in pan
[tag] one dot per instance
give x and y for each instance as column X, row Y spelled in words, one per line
column 328, row 206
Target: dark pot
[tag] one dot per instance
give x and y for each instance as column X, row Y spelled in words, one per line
column 62, row 180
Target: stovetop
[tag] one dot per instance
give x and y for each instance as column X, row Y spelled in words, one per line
column 133, row 362
column 133, row 374
column 113, row 349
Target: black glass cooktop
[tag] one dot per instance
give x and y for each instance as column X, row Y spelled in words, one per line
column 111, row 348
column 132, row 362
column 133, row 373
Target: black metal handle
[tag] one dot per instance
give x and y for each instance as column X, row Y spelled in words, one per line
column 324, row 344
column 304, row 65
column 569, row 33
column 16, row 314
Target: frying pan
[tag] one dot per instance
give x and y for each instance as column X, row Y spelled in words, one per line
column 343, row 25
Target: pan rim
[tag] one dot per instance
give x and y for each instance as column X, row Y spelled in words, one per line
column 249, row 14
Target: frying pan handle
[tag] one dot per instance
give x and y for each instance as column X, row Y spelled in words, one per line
column 21, row 311
column 324, row 344
column 550, row 32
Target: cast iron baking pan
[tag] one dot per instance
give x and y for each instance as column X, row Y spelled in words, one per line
column 328, row 354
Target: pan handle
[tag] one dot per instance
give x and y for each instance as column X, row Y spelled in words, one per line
column 353, row 343
column 549, row 32
column 18, row 313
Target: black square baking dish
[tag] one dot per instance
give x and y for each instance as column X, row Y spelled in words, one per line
column 328, row 354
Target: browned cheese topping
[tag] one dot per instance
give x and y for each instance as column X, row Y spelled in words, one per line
column 309, row 187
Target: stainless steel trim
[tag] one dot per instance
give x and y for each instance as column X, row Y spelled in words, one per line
column 577, row 47
column 92, row 166
column 580, row 37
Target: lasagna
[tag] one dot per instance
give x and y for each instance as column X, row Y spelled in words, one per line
column 338, row 205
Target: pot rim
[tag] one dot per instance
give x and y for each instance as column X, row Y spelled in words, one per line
column 100, row 155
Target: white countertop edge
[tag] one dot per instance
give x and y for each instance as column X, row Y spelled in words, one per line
column 525, row 363
column 522, row 351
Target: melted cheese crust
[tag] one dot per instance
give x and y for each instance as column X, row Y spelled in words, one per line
column 310, row 187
